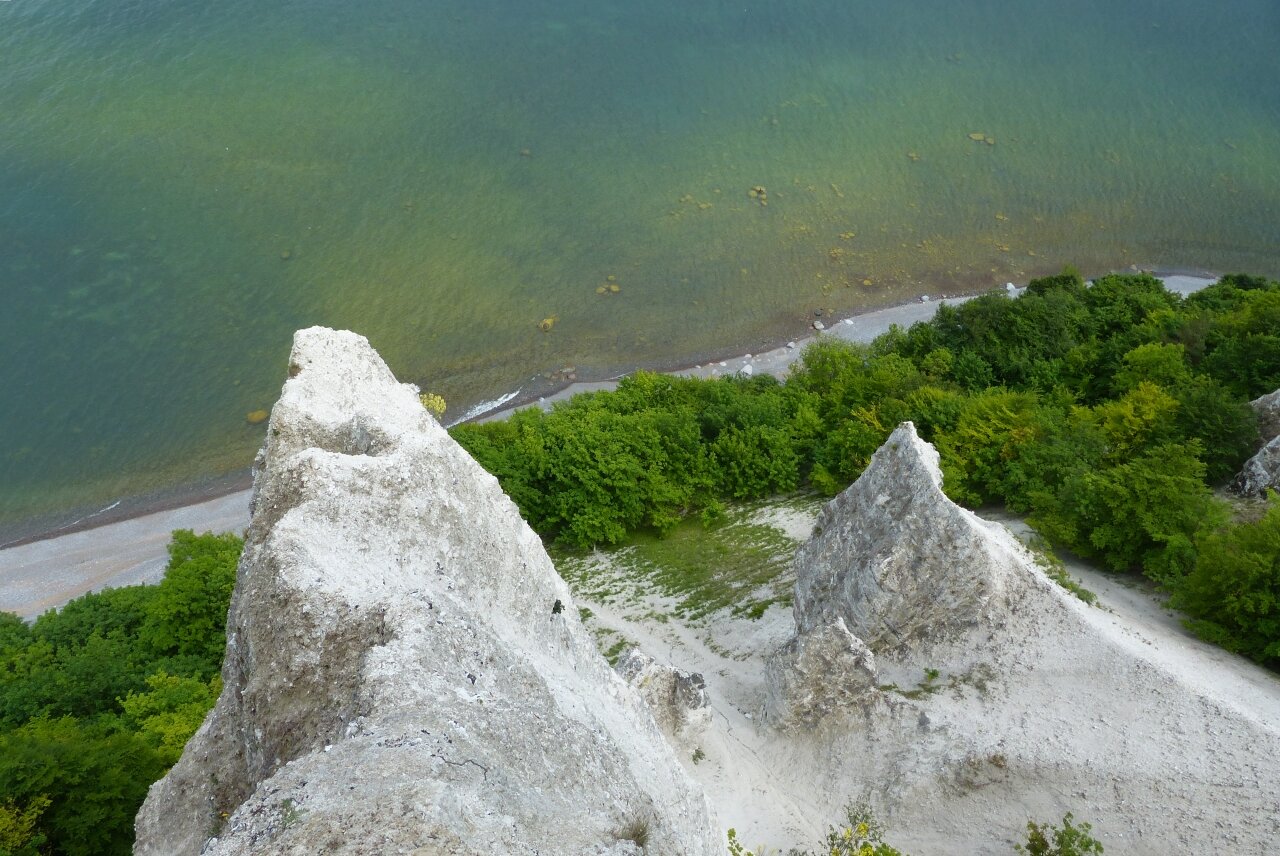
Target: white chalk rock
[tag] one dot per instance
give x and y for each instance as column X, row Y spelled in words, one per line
column 896, row 567
column 1268, row 409
column 677, row 698
column 824, row 671
column 898, row 561
column 1260, row 473
column 398, row 676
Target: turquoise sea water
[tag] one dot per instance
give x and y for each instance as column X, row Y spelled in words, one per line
column 183, row 184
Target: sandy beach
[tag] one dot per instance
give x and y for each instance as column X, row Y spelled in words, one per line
column 44, row 574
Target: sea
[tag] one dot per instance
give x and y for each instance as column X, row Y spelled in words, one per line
column 501, row 194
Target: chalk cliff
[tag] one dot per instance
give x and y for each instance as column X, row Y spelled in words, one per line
column 1268, row 409
column 405, row 671
column 1262, row 472
column 895, row 567
column 936, row 671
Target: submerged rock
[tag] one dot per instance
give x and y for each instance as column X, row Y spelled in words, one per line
column 397, row 678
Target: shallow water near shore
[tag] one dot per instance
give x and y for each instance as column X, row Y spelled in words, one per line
column 183, row 185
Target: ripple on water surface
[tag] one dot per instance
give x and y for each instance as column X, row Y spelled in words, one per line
column 182, row 185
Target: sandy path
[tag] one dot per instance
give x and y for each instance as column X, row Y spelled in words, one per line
column 1135, row 615
column 46, row 574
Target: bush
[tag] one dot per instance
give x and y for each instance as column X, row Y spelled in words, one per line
column 1142, row 514
column 859, row 835
column 1069, row 840
column 1233, row 594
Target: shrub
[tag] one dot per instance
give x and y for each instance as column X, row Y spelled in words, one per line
column 1050, row 840
column 1233, row 594
column 859, row 835
column 1142, row 514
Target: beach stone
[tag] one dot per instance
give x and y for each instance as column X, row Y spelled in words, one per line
column 818, row 325
column 405, row 671
column 924, row 298
column 791, row 346
column 747, row 370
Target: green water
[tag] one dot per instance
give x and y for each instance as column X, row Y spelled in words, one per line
column 184, row 184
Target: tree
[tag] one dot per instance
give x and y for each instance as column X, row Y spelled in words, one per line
column 1143, row 513
column 1233, row 594
column 187, row 616
column 94, row 782
column 1158, row 363
column 19, row 832
column 170, row 712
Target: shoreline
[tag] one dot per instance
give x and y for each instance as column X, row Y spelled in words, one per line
column 137, row 520
column 132, row 507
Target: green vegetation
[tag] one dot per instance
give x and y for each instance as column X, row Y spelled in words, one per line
column 1068, row 840
column 1056, row 569
column 862, row 835
column 1105, row 412
column 1233, row 593
column 98, row 699
column 737, row 563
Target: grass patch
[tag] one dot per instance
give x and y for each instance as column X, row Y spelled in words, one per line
column 928, row 686
column 740, row 564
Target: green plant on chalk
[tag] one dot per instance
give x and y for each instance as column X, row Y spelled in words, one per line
column 433, row 403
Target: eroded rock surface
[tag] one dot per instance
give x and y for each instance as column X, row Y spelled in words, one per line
column 1268, row 409
column 825, row 671
column 899, row 562
column 895, row 567
column 396, row 677
column 678, row 699
column 1261, row 472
